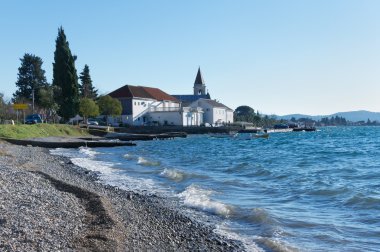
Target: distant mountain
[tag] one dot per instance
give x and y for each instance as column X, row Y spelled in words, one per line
column 353, row 116
column 298, row 116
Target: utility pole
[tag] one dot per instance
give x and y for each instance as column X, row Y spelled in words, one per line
column 33, row 100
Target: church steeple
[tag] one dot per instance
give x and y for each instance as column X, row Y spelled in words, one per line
column 199, row 78
column 199, row 85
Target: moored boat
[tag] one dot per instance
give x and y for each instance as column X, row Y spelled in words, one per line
column 264, row 135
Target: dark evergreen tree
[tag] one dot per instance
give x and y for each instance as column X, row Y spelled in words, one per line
column 65, row 79
column 244, row 113
column 87, row 90
column 31, row 77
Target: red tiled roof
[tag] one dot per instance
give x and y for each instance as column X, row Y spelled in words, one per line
column 129, row 91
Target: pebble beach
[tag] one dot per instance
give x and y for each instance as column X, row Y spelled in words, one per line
column 49, row 204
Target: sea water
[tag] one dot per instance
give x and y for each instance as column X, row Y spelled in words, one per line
column 296, row 191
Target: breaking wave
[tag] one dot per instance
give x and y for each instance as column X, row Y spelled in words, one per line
column 199, row 198
column 173, row 174
column 145, row 162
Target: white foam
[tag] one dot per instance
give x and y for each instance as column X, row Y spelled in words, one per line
column 108, row 173
column 197, row 197
column 134, row 184
column 276, row 244
column 173, row 174
column 87, row 152
column 143, row 161
column 93, row 165
column 247, row 241
column 128, row 156
column 74, row 153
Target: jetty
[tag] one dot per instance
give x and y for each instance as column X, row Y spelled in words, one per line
column 144, row 137
column 62, row 142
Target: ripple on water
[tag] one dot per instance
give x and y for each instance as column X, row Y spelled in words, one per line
column 238, row 168
column 328, row 192
column 258, row 172
column 363, row 202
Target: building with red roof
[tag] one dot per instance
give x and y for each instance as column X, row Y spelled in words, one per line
column 152, row 106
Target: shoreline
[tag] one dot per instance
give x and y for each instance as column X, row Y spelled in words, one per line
column 48, row 203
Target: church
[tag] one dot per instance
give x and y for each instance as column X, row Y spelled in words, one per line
column 199, row 90
column 214, row 112
column 150, row 106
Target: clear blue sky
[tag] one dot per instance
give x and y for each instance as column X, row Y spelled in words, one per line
column 313, row 57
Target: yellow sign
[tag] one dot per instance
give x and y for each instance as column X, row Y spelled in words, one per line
column 20, row 106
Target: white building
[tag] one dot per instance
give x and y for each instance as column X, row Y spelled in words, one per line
column 152, row 106
column 214, row 113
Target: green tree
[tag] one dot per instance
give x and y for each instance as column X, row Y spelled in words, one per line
column 109, row 106
column 244, row 110
column 2, row 107
column 47, row 101
column 88, row 108
column 65, row 79
column 86, row 88
column 244, row 113
column 30, row 78
column 6, row 111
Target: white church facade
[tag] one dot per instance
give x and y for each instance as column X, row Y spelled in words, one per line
column 214, row 112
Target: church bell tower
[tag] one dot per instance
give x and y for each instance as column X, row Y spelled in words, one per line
column 199, row 85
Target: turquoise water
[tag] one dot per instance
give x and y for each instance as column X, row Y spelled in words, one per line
column 308, row 191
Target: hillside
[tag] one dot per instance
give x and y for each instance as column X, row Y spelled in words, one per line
column 353, row 116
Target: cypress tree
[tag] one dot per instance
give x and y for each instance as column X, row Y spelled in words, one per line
column 65, row 79
column 87, row 90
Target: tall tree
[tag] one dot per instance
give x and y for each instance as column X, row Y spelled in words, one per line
column 65, row 78
column 87, row 90
column 47, row 102
column 30, row 78
column 109, row 106
column 88, row 108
